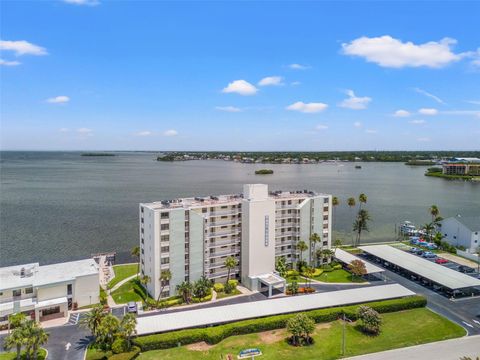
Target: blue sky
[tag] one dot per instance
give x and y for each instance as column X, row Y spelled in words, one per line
column 156, row 75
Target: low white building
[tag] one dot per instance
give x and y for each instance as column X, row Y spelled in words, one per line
column 49, row 291
column 462, row 231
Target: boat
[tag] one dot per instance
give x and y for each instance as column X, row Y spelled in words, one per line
column 407, row 228
column 358, row 166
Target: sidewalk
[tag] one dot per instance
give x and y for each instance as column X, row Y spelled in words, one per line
column 442, row 350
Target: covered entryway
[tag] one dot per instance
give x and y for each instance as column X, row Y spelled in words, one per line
column 272, row 282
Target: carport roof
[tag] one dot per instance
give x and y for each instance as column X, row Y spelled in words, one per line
column 439, row 274
column 347, row 258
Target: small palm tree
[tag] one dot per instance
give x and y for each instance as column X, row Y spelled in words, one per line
column 165, row 276
column 16, row 340
column 230, row 263
column 362, row 198
column 429, row 228
column 314, row 239
column 92, row 319
column 434, row 212
column 128, row 327
column 337, row 243
column 37, row 337
column 351, row 202
column 361, row 224
column 302, row 246
column 185, row 291
column 335, row 203
column 145, row 279
column 136, row 254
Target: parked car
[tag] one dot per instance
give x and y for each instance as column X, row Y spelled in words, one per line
column 132, row 307
column 431, row 246
column 429, row 254
column 441, row 260
column 465, row 269
column 419, row 252
column 413, row 249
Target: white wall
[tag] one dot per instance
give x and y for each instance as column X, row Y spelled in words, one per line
column 151, row 247
column 86, row 290
column 52, row 291
column 458, row 234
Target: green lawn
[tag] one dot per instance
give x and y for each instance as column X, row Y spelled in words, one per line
column 130, row 291
column 122, row 272
column 12, row 355
column 225, row 295
column 338, row 276
column 400, row 329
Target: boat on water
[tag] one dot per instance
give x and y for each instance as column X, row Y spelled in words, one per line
column 407, row 228
column 358, row 166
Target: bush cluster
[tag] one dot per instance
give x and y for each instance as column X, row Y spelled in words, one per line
column 218, row 287
column 213, row 335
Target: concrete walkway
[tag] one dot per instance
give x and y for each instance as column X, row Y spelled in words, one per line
column 111, row 303
column 443, row 350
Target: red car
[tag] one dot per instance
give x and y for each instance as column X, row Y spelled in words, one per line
column 441, row 260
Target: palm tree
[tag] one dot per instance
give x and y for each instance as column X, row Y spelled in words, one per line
column 185, row 290
column 429, row 228
column 361, row 224
column 165, row 276
column 314, row 239
column 351, row 204
column 302, row 246
column 335, row 203
column 92, row 319
column 16, row 340
column 362, row 198
column 108, row 329
column 337, row 243
column 230, row 263
column 37, row 337
column 136, row 254
column 434, row 211
column 201, row 287
column 128, row 327
column 145, row 279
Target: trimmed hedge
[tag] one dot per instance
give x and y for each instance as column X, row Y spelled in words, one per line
column 218, row 287
column 214, row 335
column 132, row 354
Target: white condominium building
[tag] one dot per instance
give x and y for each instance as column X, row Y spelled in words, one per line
column 192, row 237
column 48, row 291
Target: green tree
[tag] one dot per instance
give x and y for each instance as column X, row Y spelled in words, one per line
column 281, row 266
column 302, row 246
column 230, row 263
column 108, row 330
column 429, row 229
column 185, row 291
column 16, row 339
column 300, row 327
column 144, row 280
column 15, row 320
column 361, row 224
column 165, row 277
column 314, row 240
column 135, row 252
column 92, row 319
column 337, row 243
column 362, row 198
column 36, row 337
column 335, row 203
column 351, row 202
column 434, row 212
column 371, row 320
column 308, row 272
column 128, row 327
column 202, row 287
column 357, row 268
column 293, row 287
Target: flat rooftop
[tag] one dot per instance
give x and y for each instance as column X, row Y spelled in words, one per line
column 39, row 275
column 215, row 200
column 347, row 258
column 256, row 309
column 439, row 274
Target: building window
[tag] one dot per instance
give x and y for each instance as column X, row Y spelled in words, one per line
column 28, row 290
column 17, row 292
column 164, row 215
column 50, row 311
column 164, row 249
column 165, row 261
column 164, row 227
column 267, row 230
column 164, row 238
column 69, row 289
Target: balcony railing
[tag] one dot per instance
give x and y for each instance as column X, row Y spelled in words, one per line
column 4, row 300
column 233, row 231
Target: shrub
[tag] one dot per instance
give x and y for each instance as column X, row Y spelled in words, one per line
column 230, row 286
column 317, row 272
column 370, row 319
column 218, row 287
column 292, row 273
column 337, row 267
column 120, row 345
column 196, row 300
column 327, row 268
column 300, row 326
column 213, row 335
column 233, row 282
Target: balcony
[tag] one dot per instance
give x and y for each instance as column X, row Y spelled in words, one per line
column 224, row 212
column 224, row 242
column 229, row 252
column 224, row 223
column 233, row 231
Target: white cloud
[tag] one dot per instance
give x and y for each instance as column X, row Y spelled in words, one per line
column 357, row 124
column 417, row 122
column 62, row 99
column 228, row 108
column 144, row 133
column 22, row 47
column 307, row 107
column 64, row 130
column 295, row 83
column 170, row 132
column 387, row 51
column 240, row 87
column 423, row 139
column 401, row 113
column 474, row 102
column 85, row 132
column 83, row 2
column 431, row 96
column 321, row 127
column 298, row 67
column 9, row 63
column 355, row 102
column 371, row 131
column 271, row 81
column 428, row 111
